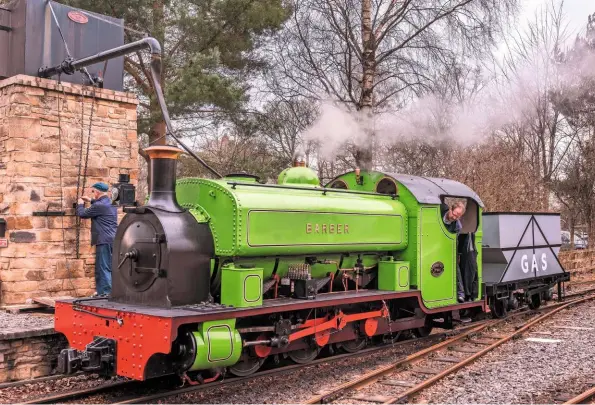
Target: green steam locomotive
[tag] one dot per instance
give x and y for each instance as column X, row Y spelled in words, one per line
column 214, row 276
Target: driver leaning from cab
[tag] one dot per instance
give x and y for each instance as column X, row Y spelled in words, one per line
column 452, row 223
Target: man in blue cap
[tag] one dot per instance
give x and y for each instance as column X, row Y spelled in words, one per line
column 104, row 221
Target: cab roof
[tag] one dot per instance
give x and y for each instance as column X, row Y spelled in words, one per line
column 429, row 190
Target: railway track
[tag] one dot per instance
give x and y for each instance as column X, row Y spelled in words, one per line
column 87, row 392
column 72, row 395
column 408, row 378
column 583, row 398
column 451, row 336
column 286, row 369
column 577, row 294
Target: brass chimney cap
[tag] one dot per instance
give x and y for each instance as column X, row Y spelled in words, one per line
column 163, row 152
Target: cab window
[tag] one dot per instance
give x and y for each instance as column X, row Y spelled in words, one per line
column 469, row 220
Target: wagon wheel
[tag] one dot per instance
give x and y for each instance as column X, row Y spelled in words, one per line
column 353, row 346
column 535, row 301
column 303, row 356
column 498, row 308
column 246, row 366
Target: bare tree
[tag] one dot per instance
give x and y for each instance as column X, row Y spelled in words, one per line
column 575, row 184
column 497, row 171
column 428, row 149
column 532, row 69
column 372, row 55
column 283, row 123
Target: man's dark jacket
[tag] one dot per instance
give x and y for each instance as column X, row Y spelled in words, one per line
column 468, row 253
column 468, row 256
column 104, row 220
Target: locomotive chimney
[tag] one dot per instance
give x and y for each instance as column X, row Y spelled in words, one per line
column 162, row 169
column 299, row 161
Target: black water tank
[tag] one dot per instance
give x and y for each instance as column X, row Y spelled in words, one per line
column 29, row 39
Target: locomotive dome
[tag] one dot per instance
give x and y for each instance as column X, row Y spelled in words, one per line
column 299, row 176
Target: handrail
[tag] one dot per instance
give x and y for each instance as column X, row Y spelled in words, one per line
column 323, row 190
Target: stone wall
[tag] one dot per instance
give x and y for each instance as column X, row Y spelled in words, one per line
column 579, row 262
column 40, row 155
column 29, row 354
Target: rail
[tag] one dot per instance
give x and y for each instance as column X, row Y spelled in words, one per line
column 84, row 393
column 368, row 379
column 374, row 376
column 582, row 398
column 323, row 190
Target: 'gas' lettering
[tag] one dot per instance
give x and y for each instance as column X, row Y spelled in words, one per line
column 534, row 266
column 524, row 264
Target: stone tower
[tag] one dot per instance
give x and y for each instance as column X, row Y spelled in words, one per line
column 42, row 124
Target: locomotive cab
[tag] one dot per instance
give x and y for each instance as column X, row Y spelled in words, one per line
column 432, row 251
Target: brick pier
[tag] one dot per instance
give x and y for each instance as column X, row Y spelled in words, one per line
column 29, row 353
column 40, row 152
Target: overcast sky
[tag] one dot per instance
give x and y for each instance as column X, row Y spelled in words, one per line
column 575, row 11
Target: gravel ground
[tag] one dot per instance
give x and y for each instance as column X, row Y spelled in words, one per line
column 519, row 371
column 300, row 385
column 523, row 371
column 290, row 387
column 577, row 286
column 274, row 389
column 31, row 320
column 407, row 373
column 42, row 388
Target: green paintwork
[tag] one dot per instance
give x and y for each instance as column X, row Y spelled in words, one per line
column 393, row 275
column 411, row 254
column 218, row 344
column 478, row 244
column 241, row 287
column 299, row 176
column 436, row 245
column 269, row 221
column 368, row 180
column 321, row 229
column 254, row 227
column 429, row 242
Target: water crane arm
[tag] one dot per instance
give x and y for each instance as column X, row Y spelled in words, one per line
column 70, row 65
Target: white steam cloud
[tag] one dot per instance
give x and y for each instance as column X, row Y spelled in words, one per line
column 501, row 102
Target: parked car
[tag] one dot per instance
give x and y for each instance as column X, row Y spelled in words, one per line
column 579, row 243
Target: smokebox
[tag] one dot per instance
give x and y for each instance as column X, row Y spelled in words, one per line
column 30, row 39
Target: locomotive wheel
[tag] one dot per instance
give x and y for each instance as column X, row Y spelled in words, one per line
column 246, row 366
column 354, row 345
column 424, row 330
column 304, row 356
column 498, row 308
column 535, row 301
